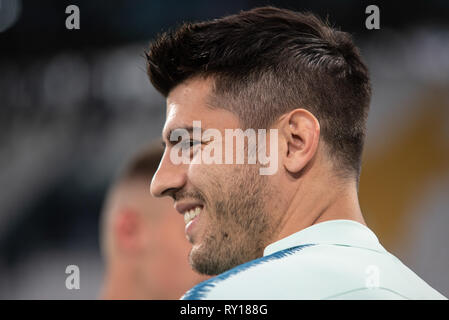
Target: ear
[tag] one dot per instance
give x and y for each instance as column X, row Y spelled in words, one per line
column 128, row 231
column 301, row 131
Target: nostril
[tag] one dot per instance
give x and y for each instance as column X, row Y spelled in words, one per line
column 170, row 192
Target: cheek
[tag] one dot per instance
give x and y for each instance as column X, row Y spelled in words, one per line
column 212, row 180
column 196, row 172
column 203, row 176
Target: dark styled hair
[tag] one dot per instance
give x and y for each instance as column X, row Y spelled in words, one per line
column 268, row 61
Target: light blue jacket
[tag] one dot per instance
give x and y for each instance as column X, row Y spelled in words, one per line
column 337, row 259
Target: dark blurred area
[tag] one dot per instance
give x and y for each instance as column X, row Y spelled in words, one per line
column 76, row 104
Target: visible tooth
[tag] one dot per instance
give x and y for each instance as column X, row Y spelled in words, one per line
column 189, row 215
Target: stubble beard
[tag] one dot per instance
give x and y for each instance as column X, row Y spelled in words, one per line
column 239, row 224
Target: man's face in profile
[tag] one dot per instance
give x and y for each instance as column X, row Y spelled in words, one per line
column 224, row 205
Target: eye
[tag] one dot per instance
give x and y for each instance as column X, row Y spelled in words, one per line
column 187, row 144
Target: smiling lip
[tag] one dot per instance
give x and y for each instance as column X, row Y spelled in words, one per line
column 186, row 206
column 190, row 228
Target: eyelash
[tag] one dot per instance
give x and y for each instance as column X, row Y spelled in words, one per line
column 190, row 143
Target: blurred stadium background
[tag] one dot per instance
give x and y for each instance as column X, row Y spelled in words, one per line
column 74, row 105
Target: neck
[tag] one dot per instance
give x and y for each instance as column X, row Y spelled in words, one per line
column 328, row 200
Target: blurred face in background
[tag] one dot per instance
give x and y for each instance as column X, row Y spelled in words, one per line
column 146, row 241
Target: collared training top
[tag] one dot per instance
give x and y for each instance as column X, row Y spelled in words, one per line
column 337, row 259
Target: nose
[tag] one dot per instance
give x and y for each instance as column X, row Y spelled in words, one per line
column 168, row 178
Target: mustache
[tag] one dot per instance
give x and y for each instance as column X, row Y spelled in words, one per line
column 197, row 195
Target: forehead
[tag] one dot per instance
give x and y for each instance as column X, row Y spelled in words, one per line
column 190, row 101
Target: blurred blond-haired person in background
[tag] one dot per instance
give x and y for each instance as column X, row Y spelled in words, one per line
column 142, row 238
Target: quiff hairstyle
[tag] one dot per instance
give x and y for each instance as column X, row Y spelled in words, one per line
column 268, row 61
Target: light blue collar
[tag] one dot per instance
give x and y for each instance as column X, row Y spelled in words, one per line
column 336, row 232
